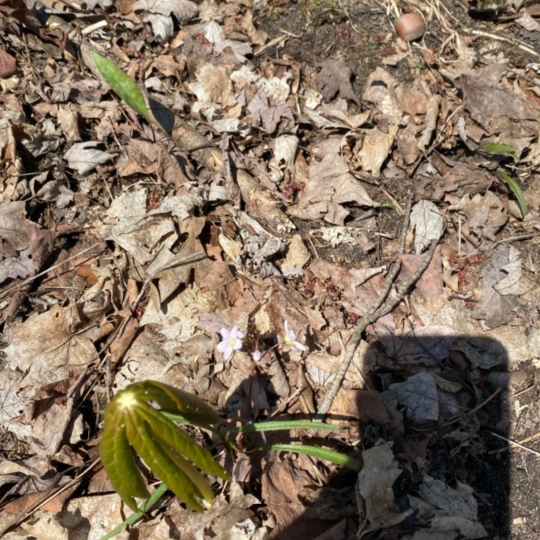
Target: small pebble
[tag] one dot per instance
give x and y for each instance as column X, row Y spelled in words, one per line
column 410, row 26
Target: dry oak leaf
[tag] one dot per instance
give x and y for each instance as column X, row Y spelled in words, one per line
column 335, row 78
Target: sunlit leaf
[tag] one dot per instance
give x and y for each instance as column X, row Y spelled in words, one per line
column 133, row 423
column 172, row 400
column 174, row 437
column 516, row 190
column 123, row 85
column 315, row 451
column 159, row 462
column 119, row 463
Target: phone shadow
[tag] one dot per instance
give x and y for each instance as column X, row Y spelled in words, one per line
column 430, row 425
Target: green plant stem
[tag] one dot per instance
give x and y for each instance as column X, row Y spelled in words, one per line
column 147, row 506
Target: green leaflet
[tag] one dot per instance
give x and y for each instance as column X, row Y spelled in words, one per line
column 516, row 190
column 123, row 85
column 175, row 401
column 119, row 462
column 157, row 459
column 174, row 437
column 315, row 451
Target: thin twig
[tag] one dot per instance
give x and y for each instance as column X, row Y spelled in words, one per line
column 36, row 276
column 378, row 310
column 514, row 443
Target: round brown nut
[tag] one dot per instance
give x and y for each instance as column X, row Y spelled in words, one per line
column 410, row 26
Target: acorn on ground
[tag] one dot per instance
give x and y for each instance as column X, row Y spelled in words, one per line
column 410, row 26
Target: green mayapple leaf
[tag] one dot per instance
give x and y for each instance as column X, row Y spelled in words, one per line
column 173, row 400
column 133, row 423
column 161, row 464
column 123, row 85
column 119, row 462
column 174, row 437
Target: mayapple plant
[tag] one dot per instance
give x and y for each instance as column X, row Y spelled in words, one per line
column 142, row 418
column 133, row 421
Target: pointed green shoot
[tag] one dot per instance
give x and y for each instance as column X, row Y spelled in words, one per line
column 499, row 148
column 516, row 190
column 122, row 84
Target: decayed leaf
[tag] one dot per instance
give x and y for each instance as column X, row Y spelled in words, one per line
column 380, row 90
column 335, row 78
column 158, row 14
column 454, row 511
column 46, row 347
column 213, row 85
column 485, row 214
column 297, row 255
column 501, row 288
column 375, row 485
column 489, row 100
column 418, row 394
column 85, row 156
column 144, row 233
column 8, row 64
column 428, row 224
column 330, row 186
column 376, row 146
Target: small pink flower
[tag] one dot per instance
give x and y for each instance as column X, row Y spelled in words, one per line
column 256, row 355
column 232, row 341
column 289, row 339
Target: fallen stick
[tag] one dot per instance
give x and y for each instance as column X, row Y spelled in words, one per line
column 378, row 310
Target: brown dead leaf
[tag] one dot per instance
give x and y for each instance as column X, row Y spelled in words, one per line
column 375, row 486
column 489, row 100
column 334, row 79
column 501, row 288
column 366, row 406
column 462, row 178
column 380, row 90
column 282, row 482
column 431, row 283
column 330, row 186
column 297, row 255
column 376, row 145
column 50, row 337
column 8, row 64
column 85, row 156
column 158, row 14
column 221, row 522
column 485, row 214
